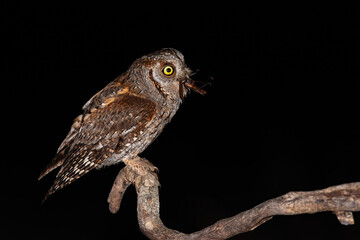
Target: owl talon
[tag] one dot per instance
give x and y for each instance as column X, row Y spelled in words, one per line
column 141, row 166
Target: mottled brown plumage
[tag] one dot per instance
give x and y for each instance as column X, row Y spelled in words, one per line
column 121, row 120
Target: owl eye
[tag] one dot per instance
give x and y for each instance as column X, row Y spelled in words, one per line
column 168, row 70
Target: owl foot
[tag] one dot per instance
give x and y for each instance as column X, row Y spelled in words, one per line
column 141, row 165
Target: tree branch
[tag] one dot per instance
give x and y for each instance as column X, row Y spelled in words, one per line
column 341, row 199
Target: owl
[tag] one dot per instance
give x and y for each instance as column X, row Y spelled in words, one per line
column 121, row 120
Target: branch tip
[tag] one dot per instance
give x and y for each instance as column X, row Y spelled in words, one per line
column 345, row 218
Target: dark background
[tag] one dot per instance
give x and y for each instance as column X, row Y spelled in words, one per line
column 281, row 113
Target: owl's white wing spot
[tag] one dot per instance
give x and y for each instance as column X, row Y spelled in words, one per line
column 99, row 146
column 115, row 135
column 128, row 130
column 108, row 136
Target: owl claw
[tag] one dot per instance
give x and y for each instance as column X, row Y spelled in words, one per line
column 141, row 166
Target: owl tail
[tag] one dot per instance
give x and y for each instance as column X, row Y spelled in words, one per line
column 55, row 163
column 50, row 192
column 55, row 185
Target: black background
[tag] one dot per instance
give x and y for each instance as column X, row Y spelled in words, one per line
column 281, row 113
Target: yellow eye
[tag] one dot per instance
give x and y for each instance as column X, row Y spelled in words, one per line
column 168, row 70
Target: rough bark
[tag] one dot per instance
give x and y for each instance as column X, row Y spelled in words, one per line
column 341, row 199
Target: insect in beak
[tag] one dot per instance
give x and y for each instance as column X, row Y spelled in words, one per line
column 189, row 83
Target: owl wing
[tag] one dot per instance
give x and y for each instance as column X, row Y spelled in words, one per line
column 113, row 89
column 64, row 148
column 103, row 131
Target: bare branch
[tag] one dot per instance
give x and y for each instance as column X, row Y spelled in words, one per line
column 121, row 183
column 342, row 200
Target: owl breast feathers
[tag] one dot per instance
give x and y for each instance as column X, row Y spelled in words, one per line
column 121, row 120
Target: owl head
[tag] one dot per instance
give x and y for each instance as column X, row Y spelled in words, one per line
column 164, row 74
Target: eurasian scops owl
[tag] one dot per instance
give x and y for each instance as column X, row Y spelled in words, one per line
column 121, row 120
